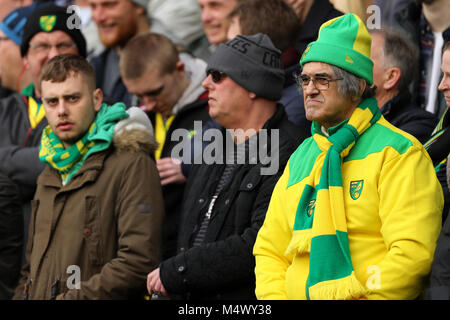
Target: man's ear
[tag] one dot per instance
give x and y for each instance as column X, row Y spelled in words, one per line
column 140, row 10
column 391, row 78
column 180, row 67
column 25, row 62
column 98, row 99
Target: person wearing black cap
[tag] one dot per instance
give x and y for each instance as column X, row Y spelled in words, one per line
column 225, row 202
column 46, row 35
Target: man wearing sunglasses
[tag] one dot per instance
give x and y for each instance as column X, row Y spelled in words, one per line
column 225, row 202
column 357, row 211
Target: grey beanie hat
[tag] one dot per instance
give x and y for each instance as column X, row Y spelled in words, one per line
column 141, row 3
column 253, row 62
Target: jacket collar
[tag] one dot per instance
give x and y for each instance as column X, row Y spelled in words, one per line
column 90, row 170
column 397, row 103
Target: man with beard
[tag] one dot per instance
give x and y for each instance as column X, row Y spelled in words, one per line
column 117, row 22
column 426, row 21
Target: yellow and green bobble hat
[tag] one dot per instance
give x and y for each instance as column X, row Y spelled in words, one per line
column 343, row 42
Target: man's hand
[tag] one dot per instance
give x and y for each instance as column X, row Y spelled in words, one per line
column 154, row 284
column 170, row 171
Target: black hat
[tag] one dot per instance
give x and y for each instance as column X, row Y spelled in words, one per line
column 49, row 18
column 253, row 62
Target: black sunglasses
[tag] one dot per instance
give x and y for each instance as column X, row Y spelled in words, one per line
column 216, row 75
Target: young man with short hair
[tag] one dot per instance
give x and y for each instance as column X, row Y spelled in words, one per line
column 169, row 88
column 97, row 211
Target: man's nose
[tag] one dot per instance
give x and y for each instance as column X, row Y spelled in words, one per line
column 62, row 109
column 310, row 88
column 149, row 103
column 206, row 84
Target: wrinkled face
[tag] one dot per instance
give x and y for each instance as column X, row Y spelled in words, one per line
column 43, row 47
column 444, row 86
column 70, row 107
column 214, row 18
column 11, row 63
column 116, row 21
column 157, row 91
column 227, row 101
column 327, row 107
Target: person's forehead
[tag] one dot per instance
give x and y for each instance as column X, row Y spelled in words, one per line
column 100, row 2
column 214, row 3
column 151, row 79
column 315, row 67
column 75, row 82
column 54, row 36
column 446, row 61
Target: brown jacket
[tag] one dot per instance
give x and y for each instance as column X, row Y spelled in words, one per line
column 103, row 226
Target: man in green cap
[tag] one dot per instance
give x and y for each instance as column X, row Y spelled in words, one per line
column 350, row 218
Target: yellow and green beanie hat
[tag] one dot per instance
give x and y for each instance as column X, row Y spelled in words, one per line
column 343, row 42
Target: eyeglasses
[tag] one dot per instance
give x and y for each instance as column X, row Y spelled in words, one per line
column 216, row 75
column 44, row 48
column 320, row 83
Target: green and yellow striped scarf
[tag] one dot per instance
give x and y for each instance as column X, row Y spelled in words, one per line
column 98, row 138
column 320, row 226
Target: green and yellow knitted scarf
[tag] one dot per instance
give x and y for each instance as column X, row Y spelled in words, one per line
column 320, row 226
column 98, row 138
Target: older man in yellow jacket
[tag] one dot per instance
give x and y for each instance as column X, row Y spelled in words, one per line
column 357, row 212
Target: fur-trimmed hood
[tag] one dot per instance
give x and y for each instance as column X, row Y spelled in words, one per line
column 135, row 133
